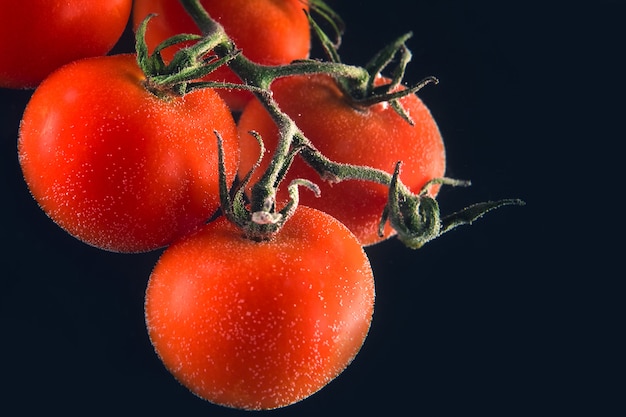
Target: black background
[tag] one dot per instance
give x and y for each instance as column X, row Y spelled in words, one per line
column 511, row 316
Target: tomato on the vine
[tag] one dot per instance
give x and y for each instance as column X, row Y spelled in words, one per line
column 269, row 32
column 39, row 36
column 115, row 165
column 374, row 136
column 261, row 325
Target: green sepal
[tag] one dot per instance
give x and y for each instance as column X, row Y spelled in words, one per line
column 383, row 58
column 329, row 47
column 188, row 64
column 416, row 217
column 263, row 223
column 472, row 213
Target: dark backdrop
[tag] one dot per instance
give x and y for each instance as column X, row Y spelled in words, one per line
column 506, row 317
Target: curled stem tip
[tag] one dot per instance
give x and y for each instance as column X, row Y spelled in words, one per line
column 416, row 217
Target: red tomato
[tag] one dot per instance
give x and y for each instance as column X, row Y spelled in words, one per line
column 375, row 136
column 39, row 36
column 114, row 165
column 261, row 325
column 270, row 32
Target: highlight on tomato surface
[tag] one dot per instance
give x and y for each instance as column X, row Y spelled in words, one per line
column 39, row 36
column 117, row 166
column 261, row 325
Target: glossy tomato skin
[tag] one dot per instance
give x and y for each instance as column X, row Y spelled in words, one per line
column 270, row 32
column 375, row 136
column 116, row 166
column 261, row 325
column 39, row 36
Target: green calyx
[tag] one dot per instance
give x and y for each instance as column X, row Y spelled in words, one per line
column 416, row 217
column 188, row 65
column 364, row 91
column 258, row 222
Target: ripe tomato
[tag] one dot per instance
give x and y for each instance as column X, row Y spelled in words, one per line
column 270, row 32
column 116, row 166
column 39, row 36
column 261, row 325
column 375, row 136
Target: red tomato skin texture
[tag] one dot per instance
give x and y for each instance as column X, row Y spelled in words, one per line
column 269, row 32
column 39, row 36
column 376, row 137
column 117, row 167
column 261, row 325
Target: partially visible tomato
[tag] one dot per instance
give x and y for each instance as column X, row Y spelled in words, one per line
column 375, row 136
column 39, row 36
column 261, row 325
column 118, row 167
column 269, row 32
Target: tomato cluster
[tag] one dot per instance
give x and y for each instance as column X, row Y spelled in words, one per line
column 198, row 144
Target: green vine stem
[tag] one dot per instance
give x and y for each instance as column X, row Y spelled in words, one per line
column 415, row 217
